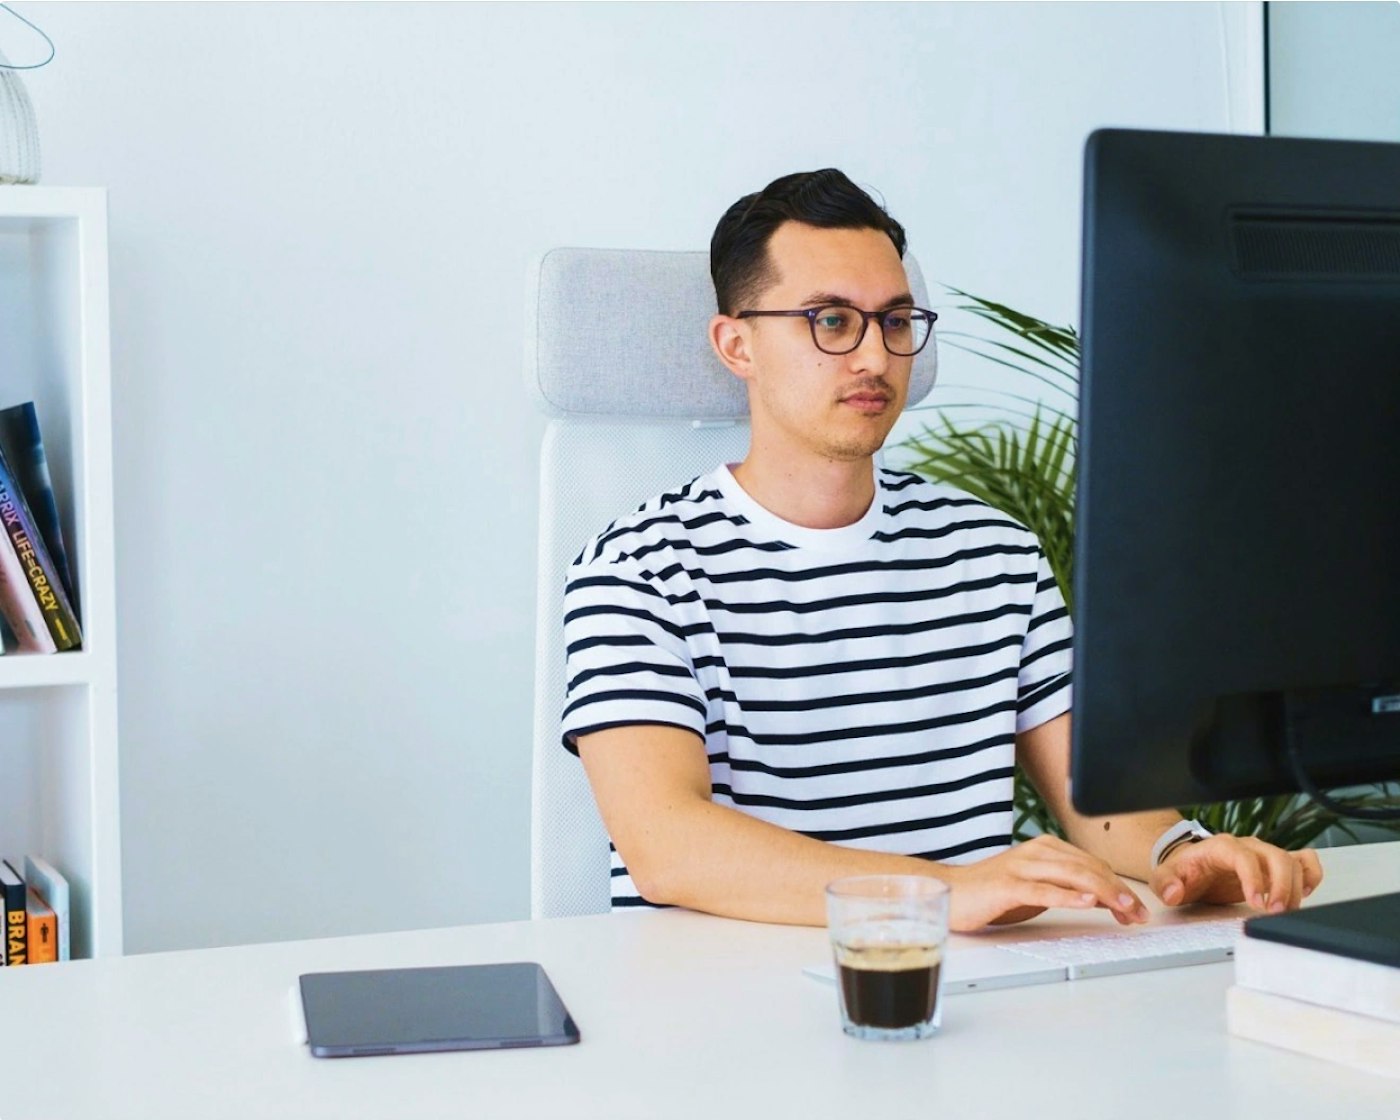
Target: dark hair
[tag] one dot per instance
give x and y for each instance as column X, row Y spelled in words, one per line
column 827, row 199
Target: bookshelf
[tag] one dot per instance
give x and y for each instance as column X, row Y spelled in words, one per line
column 58, row 713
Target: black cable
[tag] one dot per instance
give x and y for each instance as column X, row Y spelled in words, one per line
column 40, row 30
column 1308, row 786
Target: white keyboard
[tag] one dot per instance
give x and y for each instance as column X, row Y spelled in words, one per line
column 1136, row 950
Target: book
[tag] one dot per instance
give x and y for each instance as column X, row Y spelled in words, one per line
column 1326, row 979
column 41, row 875
column 23, row 446
column 18, row 606
column 18, row 523
column 16, row 915
column 43, row 929
column 1358, row 1041
column 1367, row 929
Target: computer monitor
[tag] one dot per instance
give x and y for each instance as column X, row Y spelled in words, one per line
column 1237, row 554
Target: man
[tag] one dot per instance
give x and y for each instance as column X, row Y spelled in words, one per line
column 804, row 666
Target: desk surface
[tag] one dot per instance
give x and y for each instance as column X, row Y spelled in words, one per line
column 682, row 1015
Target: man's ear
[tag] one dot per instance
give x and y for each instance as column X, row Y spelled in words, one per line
column 730, row 339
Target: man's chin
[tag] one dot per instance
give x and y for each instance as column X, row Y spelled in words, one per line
column 864, row 444
column 854, row 451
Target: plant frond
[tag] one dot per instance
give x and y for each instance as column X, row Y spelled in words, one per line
column 1064, row 340
column 1019, row 353
column 1014, row 366
column 1005, row 394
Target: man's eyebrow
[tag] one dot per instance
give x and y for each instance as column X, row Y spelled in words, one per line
column 832, row 299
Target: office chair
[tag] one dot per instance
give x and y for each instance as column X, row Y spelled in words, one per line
column 618, row 356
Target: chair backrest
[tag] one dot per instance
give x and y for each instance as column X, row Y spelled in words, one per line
column 618, row 356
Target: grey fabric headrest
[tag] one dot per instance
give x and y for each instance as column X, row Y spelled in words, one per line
column 622, row 333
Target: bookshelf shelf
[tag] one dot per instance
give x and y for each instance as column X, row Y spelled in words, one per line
column 58, row 713
column 40, row 671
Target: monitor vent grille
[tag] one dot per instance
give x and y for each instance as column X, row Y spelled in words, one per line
column 1313, row 247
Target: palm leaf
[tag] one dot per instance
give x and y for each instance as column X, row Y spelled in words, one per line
column 1013, row 357
column 1036, row 404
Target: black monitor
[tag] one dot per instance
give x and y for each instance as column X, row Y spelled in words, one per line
column 1237, row 553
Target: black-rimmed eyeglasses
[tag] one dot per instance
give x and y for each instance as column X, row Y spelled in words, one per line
column 840, row 329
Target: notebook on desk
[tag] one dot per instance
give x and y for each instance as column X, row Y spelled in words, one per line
column 1014, row 964
column 1367, row 929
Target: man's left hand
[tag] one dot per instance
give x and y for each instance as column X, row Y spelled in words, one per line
column 1226, row 869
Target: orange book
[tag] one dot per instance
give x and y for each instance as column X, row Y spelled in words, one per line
column 43, row 928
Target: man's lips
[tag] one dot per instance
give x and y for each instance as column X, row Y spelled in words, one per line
column 867, row 402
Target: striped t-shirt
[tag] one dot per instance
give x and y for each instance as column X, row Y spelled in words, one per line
column 861, row 685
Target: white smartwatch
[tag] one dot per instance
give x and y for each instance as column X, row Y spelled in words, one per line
column 1183, row 832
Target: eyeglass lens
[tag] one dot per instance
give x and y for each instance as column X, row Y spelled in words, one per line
column 839, row 330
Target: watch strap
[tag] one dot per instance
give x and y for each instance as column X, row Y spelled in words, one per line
column 1183, row 832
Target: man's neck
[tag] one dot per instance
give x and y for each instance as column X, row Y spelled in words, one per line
column 829, row 494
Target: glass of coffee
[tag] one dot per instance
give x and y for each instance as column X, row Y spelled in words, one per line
column 887, row 935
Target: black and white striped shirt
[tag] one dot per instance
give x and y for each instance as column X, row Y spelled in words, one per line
column 861, row 685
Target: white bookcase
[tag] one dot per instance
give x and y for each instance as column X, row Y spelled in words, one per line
column 58, row 712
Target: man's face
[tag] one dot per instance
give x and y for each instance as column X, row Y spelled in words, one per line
column 804, row 401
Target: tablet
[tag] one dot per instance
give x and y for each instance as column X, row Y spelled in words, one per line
column 413, row 1010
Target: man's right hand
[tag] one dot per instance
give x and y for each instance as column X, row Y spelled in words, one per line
column 1033, row 877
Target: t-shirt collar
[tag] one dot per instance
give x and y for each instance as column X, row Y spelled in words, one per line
column 844, row 539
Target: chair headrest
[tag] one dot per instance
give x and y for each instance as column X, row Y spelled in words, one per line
column 622, row 333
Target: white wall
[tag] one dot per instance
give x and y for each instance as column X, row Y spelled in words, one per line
column 325, row 465
column 1334, row 70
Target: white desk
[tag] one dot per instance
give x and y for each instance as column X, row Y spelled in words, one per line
column 682, row 1016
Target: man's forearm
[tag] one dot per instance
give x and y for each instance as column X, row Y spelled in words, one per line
column 748, row 868
column 1124, row 841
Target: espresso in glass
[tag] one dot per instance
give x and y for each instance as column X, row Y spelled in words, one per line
column 888, row 987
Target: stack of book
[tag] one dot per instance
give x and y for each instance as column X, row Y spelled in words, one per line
column 1323, row 981
column 35, row 912
column 37, row 601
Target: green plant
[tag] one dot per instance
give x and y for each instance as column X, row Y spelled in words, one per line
column 1018, row 455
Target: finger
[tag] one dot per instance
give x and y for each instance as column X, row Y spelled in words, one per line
column 1250, row 872
column 1049, row 895
column 1114, row 893
column 1082, row 875
column 1312, row 869
column 1180, row 882
column 1279, row 866
column 1294, row 897
column 1209, row 870
column 1129, row 917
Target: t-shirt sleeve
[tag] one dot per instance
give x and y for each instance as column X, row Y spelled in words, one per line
column 1044, row 682
column 627, row 661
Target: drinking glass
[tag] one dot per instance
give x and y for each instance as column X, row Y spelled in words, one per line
column 888, row 934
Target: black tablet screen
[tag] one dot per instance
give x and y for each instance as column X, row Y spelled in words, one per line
column 407, row 1010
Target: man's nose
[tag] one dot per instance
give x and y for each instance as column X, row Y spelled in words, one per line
column 871, row 355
